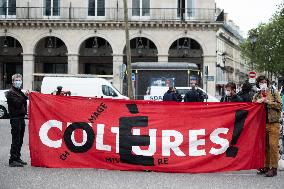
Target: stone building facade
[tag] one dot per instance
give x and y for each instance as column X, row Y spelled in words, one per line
column 47, row 37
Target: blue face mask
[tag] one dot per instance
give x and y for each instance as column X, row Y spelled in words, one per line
column 18, row 84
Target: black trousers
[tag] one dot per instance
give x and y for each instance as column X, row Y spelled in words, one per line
column 17, row 130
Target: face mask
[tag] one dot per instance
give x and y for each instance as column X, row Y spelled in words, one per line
column 228, row 93
column 263, row 86
column 18, row 84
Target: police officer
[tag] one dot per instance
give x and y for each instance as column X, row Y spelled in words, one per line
column 170, row 95
column 194, row 94
column 17, row 106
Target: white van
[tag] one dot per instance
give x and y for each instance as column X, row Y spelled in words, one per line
column 156, row 93
column 79, row 86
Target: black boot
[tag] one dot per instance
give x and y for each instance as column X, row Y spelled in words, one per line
column 263, row 171
column 15, row 164
column 22, row 162
column 271, row 173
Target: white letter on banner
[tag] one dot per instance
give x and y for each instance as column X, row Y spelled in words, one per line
column 100, row 138
column 115, row 130
column 84, row 136
column 167, row 144
column 194, row 142
column 152, row 147
column 214, row 137
column 44, row 131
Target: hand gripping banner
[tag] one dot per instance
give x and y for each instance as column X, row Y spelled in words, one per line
column 78, row 132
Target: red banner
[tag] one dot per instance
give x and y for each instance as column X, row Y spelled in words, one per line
column 78, row 132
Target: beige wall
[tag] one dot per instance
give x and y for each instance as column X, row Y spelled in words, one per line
column 210, row 4
column 165, row 10
column 162, row 37
column 205, row 4
column 74, row 37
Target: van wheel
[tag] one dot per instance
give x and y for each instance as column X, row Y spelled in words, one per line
column 3, row 112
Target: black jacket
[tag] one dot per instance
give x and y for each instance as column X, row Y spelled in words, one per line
column 234, row 98
column 170, row 96
column 245, row 96
column 179, row 97
column 17, row 103
column 194, row 95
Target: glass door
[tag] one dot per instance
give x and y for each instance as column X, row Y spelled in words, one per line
column 10, row 69
column 51, row 8
column 96, row 8
column 181, row 9
column 140, row 9
column 190, row 9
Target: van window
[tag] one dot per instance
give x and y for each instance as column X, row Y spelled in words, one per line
column 108, row 91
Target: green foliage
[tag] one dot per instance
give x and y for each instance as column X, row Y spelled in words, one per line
column 268, row 54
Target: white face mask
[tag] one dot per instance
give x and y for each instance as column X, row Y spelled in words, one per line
column 18, row 84
column 263, row 86
column 228, row 93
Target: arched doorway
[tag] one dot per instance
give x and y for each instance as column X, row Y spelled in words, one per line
column 50, row 58
column 96, row 57
column 11, row 60
column 188, row 50
column 142, row 50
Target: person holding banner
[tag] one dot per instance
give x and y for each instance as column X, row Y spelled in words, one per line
column 246, row 92
column 231, row 95
column 17, row 106
column 273, row 104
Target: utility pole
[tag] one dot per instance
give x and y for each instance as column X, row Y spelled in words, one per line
column 206, row 79
column 128, row 52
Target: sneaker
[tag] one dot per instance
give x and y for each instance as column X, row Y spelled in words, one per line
column 22, row 162
column 271, row 173
column 15, row 164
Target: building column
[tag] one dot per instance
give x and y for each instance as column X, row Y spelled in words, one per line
column 163, row 57
column 73, row 64
column 28, row 71
column 117, row 72
column 210, row 61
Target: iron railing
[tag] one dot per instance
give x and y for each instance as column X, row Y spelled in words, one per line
column 106, row 14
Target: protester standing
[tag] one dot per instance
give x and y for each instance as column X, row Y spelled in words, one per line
column 230, row 93
column 194, row 94
column 273, row 104
column 170, row 95
column 246, row 93
column 60, row 92
column 17, row 106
